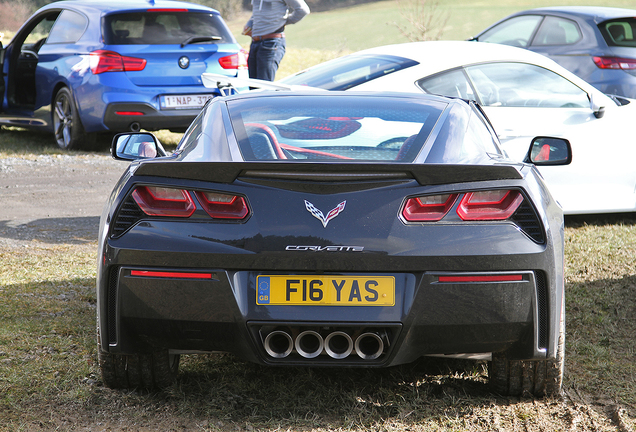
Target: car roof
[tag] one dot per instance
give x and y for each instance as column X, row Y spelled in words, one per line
column 598, row 13
column 124, row 5
column 437, row 56
column 345, row 94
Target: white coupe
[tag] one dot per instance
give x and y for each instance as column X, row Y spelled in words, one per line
column 525, row 95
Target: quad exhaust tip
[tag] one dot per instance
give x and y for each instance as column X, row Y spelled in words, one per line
column 369, row 346
column 309, row 344
column 337, row 344
column 278, row 344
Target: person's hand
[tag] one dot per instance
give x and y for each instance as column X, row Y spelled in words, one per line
column 247, row 31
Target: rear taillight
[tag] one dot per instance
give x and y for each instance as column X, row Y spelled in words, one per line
column 489, row 205
column 223, row 206
column 428, row 208
column 473, row 206
column 171, row 202
column 160, row 201
column 234, row 61
column 615, row 63
column 109, row 61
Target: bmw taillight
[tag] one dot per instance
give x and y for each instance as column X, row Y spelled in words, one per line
column 223, row 206
column 109, row 61
column 234, row 61
column 428, row 208
column 473, row 206
column 614, row 63
column 160, row 201
column 489, row 205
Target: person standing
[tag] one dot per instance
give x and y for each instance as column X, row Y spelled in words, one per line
column 266, row 26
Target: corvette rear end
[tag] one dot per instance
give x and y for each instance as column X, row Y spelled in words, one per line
column 332, row 230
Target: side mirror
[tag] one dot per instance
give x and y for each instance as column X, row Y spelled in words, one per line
column 549, row 151
column 134, row 146
column 599, row 111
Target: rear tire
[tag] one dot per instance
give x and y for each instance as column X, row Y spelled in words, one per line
column 67, row 127
column 529, row 378
column 156, row 370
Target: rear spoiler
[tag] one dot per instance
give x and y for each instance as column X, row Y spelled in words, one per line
column 240, row 85
column 425, row 174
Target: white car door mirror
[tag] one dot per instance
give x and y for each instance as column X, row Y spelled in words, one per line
column 135, row 146
column 549, row 151
column 599, row 111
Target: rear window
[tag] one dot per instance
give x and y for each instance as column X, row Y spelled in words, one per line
column 157, row 28
column 619, row 32
column 317, row 129
column 349, row 71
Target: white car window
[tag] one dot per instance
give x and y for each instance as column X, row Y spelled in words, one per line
column 524, row 85
column 452, row 84
column 516, row 31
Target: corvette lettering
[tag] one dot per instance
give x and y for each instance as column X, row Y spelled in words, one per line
column 325, row 248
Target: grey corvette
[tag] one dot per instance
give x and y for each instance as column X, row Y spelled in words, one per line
column 333, row 229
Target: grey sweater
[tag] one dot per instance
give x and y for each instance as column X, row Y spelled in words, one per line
column 271, row 15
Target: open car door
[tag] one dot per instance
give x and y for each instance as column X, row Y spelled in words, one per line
column 2, row 84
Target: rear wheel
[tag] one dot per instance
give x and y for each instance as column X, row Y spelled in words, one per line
column 69, row 133
column 529, row 378
column 156, row 370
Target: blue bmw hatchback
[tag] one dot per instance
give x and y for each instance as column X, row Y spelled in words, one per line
column 81, row 68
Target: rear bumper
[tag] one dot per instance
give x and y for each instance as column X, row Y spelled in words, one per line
column 135, row 116
column 429, row 317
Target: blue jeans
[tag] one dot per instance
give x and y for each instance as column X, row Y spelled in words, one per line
column 264, row 58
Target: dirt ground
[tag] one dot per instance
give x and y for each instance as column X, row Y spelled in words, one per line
column 47, row 192
column 47, row 195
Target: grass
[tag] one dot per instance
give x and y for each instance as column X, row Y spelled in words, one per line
column 16, row 141
column 601, row 282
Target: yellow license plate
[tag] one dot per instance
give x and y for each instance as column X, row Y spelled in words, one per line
column 326, row 290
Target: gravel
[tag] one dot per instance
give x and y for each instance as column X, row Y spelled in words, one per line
column 54, row 198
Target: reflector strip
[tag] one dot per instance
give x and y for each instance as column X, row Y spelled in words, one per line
column 129, row 113
column 172, row 275
column 487, row 278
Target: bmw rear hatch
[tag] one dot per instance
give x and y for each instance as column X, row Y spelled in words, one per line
column 171, row 47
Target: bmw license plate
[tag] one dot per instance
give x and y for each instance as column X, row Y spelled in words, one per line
column 184, row 101
column 326, row 290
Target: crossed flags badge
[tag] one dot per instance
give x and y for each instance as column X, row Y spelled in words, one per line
column 320, row 216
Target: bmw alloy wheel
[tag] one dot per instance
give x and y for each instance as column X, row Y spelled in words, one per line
column 69, row 133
